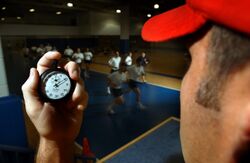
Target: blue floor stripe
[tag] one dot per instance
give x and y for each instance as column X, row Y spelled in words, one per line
column 108, row 133
column 160, row 146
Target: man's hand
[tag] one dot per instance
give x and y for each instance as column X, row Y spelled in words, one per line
column 57, row 123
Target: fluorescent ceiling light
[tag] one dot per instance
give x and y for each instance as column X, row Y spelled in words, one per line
column 31, row 10
column 58, row 13
column 69, row 4
column 3, row 8
column 156, row 6
column 149, row 15
column 118, row 11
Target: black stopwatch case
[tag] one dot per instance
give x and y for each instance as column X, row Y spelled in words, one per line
column 43, row 76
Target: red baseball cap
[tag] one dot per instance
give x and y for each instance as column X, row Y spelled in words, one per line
column 186, row 19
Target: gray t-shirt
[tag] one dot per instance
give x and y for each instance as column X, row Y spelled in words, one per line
column 135, row 72
column 117, row 78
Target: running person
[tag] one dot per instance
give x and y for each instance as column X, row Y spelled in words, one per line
column 128, row 59
column 114, row 63
column 144, row 61
column 115, row 81
column 88, row 55
column 68, row 52
column 78, row 57
column 135, row 73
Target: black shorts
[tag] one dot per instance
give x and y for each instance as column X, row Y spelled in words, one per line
column 112, row 70
column 88, row 61
column 133, row 84
column 116, row 92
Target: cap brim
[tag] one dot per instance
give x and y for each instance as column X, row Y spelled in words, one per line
column 172, row 24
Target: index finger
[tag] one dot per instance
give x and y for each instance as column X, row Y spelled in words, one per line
column 47, row 59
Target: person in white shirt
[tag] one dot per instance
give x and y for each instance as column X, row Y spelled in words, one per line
column 88, row 55
column 68, row 52
column 128, row 59
column 78, row 57
column 115, row 81
column 114, row 63
column 135, row 74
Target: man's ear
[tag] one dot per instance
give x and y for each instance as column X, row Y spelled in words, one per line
column 242, row 152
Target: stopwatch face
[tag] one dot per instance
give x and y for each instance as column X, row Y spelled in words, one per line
column 55, row 85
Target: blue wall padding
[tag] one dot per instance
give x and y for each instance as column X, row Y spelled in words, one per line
column 12, row 126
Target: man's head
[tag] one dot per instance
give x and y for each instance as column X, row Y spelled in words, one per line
column 78, row 50
column 117, row 54
column 215, row 107
column 143, row 54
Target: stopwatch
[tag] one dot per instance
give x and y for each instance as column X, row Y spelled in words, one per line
column 55, row 84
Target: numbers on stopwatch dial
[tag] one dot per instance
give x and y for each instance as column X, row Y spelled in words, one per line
column 57, row 86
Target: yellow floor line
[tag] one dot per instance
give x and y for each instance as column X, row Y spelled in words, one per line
column 164, row 86
column 176, row 119
column 136, row 139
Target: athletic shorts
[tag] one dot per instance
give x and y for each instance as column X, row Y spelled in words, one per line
column 88, row 61
column 133, row 84
column 112, row 70
column 116, row 92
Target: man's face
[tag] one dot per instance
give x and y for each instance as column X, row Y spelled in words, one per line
column 117, row 54
column 194, row 127
column 209, row 135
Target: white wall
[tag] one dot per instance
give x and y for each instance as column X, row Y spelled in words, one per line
column 89, row 23
column 83, row 21
column 27, row 30
column 104, row 23
column 136, row 26
column 3, row 80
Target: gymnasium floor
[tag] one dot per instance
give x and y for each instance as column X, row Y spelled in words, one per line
column 108, row 133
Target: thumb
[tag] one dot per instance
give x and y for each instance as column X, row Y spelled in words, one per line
column 29, row 89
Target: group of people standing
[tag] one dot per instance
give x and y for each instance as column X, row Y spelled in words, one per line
column 124, row 71
column 80, row 58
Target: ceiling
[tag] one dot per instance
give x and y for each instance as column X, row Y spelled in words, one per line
column 48, row 8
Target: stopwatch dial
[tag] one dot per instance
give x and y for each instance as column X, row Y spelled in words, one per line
column 56, row 85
